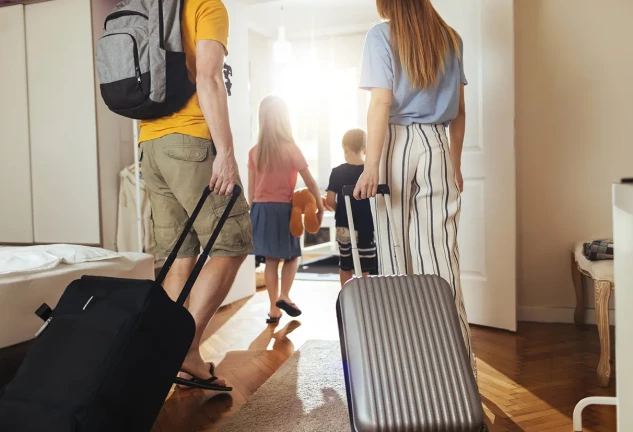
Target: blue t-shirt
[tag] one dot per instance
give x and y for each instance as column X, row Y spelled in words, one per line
column 436, row 105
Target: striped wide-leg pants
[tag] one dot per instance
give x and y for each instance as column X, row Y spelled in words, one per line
column 426, row 203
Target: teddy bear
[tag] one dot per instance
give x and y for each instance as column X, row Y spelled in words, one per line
column 303, row 204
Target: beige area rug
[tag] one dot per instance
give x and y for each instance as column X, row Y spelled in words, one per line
column 306, row 394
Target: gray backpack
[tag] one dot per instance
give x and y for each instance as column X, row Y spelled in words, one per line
column 140, row 59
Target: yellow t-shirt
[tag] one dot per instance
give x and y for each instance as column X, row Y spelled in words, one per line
column 202, row 20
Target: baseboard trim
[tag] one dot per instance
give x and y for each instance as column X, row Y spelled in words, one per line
column 557, row 315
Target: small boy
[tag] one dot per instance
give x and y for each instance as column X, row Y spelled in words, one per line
column 354, row 143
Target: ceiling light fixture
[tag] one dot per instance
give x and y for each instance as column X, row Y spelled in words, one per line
column 282, row 49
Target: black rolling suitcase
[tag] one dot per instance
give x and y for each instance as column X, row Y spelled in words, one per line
column 106, row 357
column 405, row 363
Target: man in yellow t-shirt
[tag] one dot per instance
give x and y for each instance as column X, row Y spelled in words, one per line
column 178, row 159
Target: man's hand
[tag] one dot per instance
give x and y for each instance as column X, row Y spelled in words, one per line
column 224, row 175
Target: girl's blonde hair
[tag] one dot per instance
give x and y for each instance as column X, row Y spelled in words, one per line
column 420, row 39
column 275, row 134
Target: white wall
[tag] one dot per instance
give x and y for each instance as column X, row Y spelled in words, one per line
column 239, row 111
column 301, row 18
column 573, row 139
column 114, row 139
column 260, row 74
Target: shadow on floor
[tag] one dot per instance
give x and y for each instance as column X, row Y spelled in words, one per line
column 244, row 370
column 300, row 397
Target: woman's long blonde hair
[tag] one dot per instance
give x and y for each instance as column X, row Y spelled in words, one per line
column 275, row 134
column 420, row 39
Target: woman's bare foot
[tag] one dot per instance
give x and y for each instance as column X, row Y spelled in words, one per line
column 287, row 300
column 275, row 312
column 194, row 365
column 293, row 310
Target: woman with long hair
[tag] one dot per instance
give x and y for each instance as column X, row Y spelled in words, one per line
column 413, row 66
column 273, row 166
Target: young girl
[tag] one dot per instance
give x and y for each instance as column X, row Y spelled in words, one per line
column 273, row 165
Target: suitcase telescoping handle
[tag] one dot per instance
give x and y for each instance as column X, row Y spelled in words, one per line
column 383, row 189
column 202, row 259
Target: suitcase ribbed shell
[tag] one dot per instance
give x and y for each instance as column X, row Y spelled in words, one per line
column 406, row 365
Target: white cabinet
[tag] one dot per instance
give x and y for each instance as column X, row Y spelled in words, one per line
column 623, row 241
column 16, row 217
column 61, row 149
column 62, row 122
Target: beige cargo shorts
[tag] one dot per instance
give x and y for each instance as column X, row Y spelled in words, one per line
column 176, row 168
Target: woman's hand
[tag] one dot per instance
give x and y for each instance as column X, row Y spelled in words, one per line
column 367, row 185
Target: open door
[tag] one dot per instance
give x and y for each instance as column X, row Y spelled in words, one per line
column 487, row 236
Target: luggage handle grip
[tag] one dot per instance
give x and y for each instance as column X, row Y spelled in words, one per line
column 237, row 190
column 384, row 190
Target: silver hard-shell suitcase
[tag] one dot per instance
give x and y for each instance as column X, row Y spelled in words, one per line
column 406, row 366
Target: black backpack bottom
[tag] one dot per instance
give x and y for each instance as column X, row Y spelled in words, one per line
column 129, row 98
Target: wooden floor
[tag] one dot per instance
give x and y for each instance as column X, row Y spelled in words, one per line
column 529, row 381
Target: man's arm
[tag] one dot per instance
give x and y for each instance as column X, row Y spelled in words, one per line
column 213, row 101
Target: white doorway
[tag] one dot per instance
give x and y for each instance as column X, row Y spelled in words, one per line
column 487, row 236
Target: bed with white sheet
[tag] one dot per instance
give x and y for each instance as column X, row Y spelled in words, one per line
column 30, row 276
